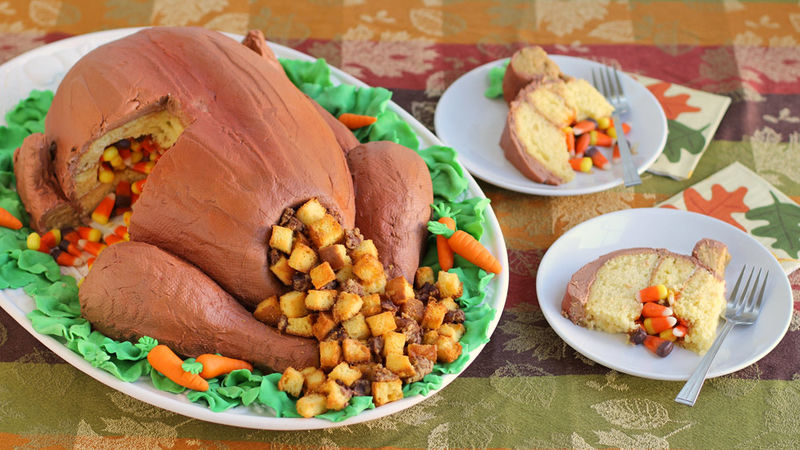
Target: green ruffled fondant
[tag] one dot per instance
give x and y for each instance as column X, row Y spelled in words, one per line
column 495, row 88
column 57, row 310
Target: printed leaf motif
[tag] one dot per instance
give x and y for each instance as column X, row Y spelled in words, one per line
column 530, row 336
column 783, row 224
column 681, row 137
column 633, row 413
column 524, row 383
column 616, row 438
column 721, row 204
column 673, row 105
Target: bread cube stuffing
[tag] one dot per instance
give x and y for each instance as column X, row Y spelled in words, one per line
column 283, row 271
column 372, row 305
column 346, row 306
column 314, row 379
column 337, row 396
column 368, row 268
column 452, row 330
column 325, row 231
column 400, row 365
column 291, row 382
column 344, row 373
column 384, row 392
column 345, row 273
column 422, row 351
column 330, row 354
column 300, row 326
column 311, row 405
column 366, row 247
column 449, row 285
column 376, row 286
column 423, row 275
column 447, row 350
column 335, row 255
column 320, row 300
column 322, row 275
column 449, row 303
column 293, row 304
column 268, row 311
column 430, row 337
column 281, row 239
column 381, row 323
column 399, row 290
column 355, row 352
column 303, row 258
column 356, row 327
column 413, row 309
column 433, row 316
column 310, row 212
column 323, row 325
column 393, row 343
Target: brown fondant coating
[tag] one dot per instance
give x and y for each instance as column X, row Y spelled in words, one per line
column 713, row 254
column 37, row 186
column 255, row 41
column 346, row 139
column 135, row 289
column 515, row 79
column 253, row 145
column 393, row 197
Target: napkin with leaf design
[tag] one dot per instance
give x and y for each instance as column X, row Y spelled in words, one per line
column 692, row 119
column 740, row 197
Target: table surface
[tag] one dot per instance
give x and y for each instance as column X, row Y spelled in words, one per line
column 527, row 388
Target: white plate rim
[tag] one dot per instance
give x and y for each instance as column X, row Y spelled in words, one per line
column 239, row 417
column 570, row 333
column 529, row 186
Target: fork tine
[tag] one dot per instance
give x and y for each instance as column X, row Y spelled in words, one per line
column 620, row 91
column 611, row 88
column 761, row 294
column 594, row 79
column 751, row 302
column 736, row 286
column 741, row 302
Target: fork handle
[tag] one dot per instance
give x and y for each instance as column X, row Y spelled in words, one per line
column 688, row 395
column 629, row 174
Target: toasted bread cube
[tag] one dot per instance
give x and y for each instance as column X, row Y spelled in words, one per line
column 330, row 354
column 372, row 305
column 384, row 392
column 300, row 326
column 268, row 311
column 356, row 327
column 293, row 304
column 325, row 231
column 381, row 323
column 281, row 239
column 452, row 330
column 413, row 309
column 423, row 275
column 291, row 382
column 399, row 290
column 311, row 405
column 311, row 211
column 447, row 350
column 422, row 351
column 355, row 352
column 400, row 364
column 368, row 268
column 283, row 271
column 322, row 275
column 449, row 285
column 434, row 315
column 337, row 396
column 430, row 337
column 335, row 255
column 346, row 306
column 366, row 247
column 303, row 258
column 376, row 286
column 323, row 325
column 345, row 273
column 323, row 300
column 344, row 373
column 393, row 342
column 449, row 303
column 314, row 379
column 300, row 239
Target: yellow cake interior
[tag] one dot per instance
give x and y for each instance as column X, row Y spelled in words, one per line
column 542, row 141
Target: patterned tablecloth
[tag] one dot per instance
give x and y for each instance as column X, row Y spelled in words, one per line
column 527, row 388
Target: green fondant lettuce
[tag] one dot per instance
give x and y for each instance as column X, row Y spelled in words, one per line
column 495, row 88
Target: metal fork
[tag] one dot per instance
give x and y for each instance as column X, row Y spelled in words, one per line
column 741, row 310
column 611, row 88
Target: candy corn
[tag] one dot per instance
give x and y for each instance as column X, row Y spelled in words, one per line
column 90, row 234
column 102, row 213
column 652, row 293
column 660, row 347
column 655, row 325
column 653, row 309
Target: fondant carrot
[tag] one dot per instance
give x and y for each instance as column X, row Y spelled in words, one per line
column 467, row 247
column 216, row 365
column 8, row 220
column 169, row 364
column 356, row 121
column 443, row 249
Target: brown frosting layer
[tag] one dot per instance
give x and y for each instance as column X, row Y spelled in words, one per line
column 713, row 255
column 135, row 289
column 515, row 79
column 393, row 196
column 253, row 145
column 37, row 186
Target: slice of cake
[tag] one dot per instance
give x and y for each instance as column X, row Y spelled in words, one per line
column 602, row 295
column 527, row 65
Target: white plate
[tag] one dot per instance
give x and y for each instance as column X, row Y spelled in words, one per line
column 677, row 231
column 468, row 121
column 43, row 68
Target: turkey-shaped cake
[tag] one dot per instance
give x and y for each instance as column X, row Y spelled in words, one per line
column 236, row 151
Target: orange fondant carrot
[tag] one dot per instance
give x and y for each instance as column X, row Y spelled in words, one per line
column 8, row 220
column 216, row 365
column 169, row 364
column 467, row 247
column 356, row 121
